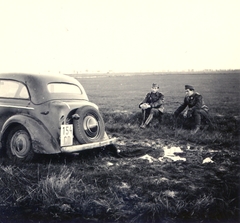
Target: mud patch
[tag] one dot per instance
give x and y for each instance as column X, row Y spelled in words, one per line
column 159, row 152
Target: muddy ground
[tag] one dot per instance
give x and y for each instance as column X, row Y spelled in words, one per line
column 147, row 177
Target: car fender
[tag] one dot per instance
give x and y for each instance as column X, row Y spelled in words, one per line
column 42, row 140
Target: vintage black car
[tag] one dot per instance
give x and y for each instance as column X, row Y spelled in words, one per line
column 47, row 114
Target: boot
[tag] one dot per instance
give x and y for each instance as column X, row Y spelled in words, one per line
column 142, row 126
column 194, row 131
column 209, row 126
column 149, row 119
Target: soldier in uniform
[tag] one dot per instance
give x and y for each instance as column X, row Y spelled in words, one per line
column 152, row 106
column 196, row 108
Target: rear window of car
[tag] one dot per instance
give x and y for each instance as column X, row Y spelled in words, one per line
column 13, row 89
column 64, row 88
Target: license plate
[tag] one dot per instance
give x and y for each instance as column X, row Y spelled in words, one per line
column 66, row 135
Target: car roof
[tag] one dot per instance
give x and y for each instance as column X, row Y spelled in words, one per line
column 23, row 77
column 37, row 85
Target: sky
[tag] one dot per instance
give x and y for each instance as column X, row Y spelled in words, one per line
column 76, row 36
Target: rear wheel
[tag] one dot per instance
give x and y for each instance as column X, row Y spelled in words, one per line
column 90, row 125
column 19, row 145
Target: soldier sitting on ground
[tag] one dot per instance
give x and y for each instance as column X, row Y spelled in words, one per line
column 152, row 106
column 196, row 108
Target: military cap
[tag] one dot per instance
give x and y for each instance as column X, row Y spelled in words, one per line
column 189, row 87
column 155, row 85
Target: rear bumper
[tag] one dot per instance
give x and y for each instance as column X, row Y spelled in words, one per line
column 78, row 148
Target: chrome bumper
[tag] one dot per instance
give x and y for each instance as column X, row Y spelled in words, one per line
column 78, row 148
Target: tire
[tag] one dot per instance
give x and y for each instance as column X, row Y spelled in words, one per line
column 90, row 126
column 19, row 145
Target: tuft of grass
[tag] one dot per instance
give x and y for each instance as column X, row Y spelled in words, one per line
column 54, row 189
column 13, row 183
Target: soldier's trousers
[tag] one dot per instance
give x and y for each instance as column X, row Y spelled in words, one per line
column 149, row 113
column 198, row 114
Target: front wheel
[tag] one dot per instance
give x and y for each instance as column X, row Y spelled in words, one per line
column 19, row 145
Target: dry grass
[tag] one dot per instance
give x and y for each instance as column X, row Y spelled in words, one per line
column 99, row 186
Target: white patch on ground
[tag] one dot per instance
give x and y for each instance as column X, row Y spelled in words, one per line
column 169, row 155
column 163, row 179
column 149, row 158
column 124, row 185
column 173, row 158
column 169, row 152
column 207, row 160
column 109, row 164
column 133, row 196
column 237, row 118
column 120, row 143
column 159, row 180
column 170, row 193
column 121, row 111
column 213, row 151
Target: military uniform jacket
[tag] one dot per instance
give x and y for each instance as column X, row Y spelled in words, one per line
column 193, row 102
column 155, row 100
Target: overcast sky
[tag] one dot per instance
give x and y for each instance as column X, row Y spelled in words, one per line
column 118, row 35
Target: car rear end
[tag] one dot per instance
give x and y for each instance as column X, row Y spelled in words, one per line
column 75, row 122
column 77, row 125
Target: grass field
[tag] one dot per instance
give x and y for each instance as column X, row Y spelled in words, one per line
column 220, row 91
column 197, row 182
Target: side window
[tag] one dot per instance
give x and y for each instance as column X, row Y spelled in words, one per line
column 13, row 89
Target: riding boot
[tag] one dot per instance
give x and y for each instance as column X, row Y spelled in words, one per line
column 195, row 130
column 149, row 119
column 143, row 117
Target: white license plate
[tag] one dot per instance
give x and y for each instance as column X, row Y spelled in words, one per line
column 66, row 135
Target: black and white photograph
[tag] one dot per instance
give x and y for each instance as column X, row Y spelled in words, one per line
column 119, row 111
